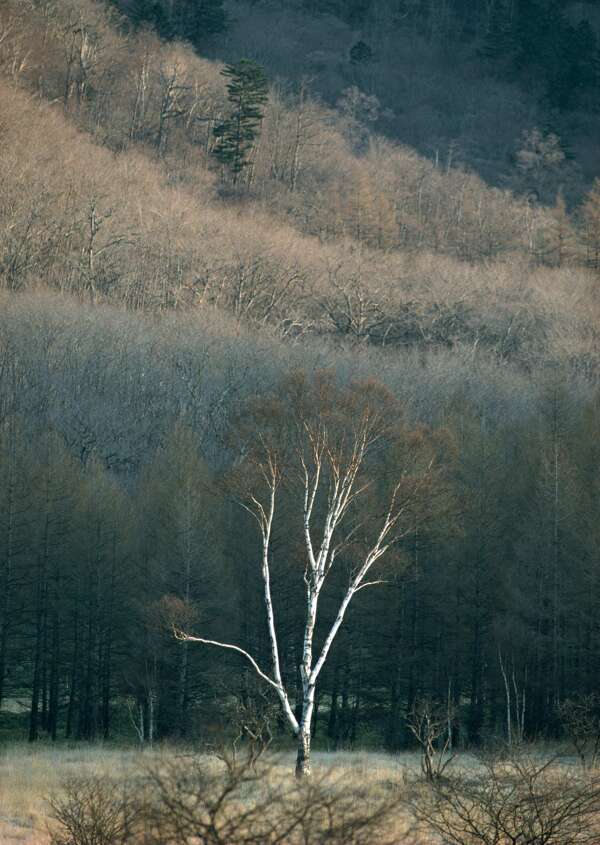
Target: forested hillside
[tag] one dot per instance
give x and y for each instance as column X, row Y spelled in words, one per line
column 220, row 224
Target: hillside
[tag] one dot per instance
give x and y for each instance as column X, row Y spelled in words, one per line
column 463, row 82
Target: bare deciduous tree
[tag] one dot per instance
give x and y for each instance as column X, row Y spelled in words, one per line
column 319, row 443
column 430, row 725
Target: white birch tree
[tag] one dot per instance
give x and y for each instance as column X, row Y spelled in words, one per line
column 317, row 446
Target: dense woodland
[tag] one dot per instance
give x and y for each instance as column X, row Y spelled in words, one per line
column 195, row 215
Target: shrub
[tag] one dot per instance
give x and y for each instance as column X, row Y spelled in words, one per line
column 514, row 802
column 222, row 801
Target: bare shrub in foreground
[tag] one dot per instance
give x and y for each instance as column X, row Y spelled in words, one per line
column 95, row 810
column 185, row 800
column 519, row 802
column 194, row 803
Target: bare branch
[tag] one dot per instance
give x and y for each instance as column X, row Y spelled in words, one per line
column 370, row 584
column 189, row 638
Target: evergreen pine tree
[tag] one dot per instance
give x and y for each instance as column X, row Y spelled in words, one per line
column 247, row 90
column 361, row 53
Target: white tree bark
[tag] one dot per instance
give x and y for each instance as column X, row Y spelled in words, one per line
column 327, row 472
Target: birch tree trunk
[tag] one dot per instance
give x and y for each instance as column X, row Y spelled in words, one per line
column 326, row 467
column 303, row 766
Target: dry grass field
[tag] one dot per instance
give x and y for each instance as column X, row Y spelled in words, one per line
column 29, row 775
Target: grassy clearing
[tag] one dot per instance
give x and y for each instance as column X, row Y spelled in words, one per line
column 28, row 775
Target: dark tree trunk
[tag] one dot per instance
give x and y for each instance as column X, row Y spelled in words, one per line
column 74, row 674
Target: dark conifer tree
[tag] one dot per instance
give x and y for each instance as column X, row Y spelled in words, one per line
column 247, row 91
column 361, row 53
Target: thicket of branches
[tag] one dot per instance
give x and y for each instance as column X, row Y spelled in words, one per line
column 183, row 800
column 225, row 801
column 517, row 801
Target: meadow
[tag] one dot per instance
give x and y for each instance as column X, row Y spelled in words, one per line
column 30, row 776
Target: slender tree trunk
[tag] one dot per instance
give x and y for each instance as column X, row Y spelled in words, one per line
column 34, row 713
column 54, row 692
column 182, row 727
column 74, row 674
column 308, row 688
column 298, row 139
column 40, row 627
column 183, row 696
column 343, row 720
column 142, row 722
column 35, row 687
column 54, row 588
column 151, row 720
column 108, row 644
column 35, row 697
column 509, row 732
column 151, row 717
column 315, row 724
column 333, row 712
column 392, row 734
column 356, row 711
column 303, row 766
column 44, row 672
column 4, row 625
column 6, row 572
column 556, row 567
